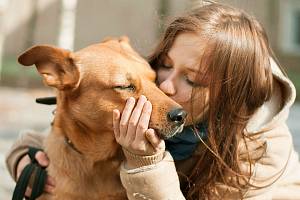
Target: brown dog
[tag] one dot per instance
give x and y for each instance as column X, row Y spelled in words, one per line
column 84, row 156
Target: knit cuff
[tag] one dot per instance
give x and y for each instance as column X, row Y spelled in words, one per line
column 14, row 161
column 140, row 161
column 20, row 149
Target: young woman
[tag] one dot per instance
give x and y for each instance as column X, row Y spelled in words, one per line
column 217, row 63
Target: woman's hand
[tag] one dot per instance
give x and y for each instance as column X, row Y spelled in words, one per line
column 43, row 160
column 131, row 129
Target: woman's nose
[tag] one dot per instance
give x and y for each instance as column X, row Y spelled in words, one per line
column 167, row 86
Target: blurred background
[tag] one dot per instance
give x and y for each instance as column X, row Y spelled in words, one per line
column 74, row 24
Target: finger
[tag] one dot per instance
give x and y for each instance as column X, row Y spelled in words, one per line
column 116, row 123
column 28, row 192
column 135, row 116
column 126, row 116
column 25, row 160
column 42, row 158
column 50, row 181
column 49, row 189
column 143, row 123
column 155, row 141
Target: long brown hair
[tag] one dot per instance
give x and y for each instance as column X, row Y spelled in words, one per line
column 237, row 57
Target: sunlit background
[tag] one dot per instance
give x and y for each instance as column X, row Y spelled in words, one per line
column 74, row 24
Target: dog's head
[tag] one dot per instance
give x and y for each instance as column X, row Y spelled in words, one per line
column 94, row 81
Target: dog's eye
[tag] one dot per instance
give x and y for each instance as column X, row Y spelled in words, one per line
column 130, row 87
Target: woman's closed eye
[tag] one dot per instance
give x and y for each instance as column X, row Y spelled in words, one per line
column 166, row 66
column 190, row 82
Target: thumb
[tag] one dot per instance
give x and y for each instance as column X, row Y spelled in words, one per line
column 42, row 158
column 157, row 143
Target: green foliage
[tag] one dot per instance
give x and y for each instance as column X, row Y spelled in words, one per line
column 11, row 68
column 15, row 75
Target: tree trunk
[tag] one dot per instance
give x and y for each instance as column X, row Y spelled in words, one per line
column 67, row 24
column 3, row 8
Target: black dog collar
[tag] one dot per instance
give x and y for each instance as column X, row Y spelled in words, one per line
column 46, row 100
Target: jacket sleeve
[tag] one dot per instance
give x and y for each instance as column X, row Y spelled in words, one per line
column 156, row 182
column 274, row 165
column 269, row 171
column 20, row 148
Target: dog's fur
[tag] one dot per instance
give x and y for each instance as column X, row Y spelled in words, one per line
column 90, row 84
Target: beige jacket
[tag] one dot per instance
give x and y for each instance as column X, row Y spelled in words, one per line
column 279, row 167
column 280, row 162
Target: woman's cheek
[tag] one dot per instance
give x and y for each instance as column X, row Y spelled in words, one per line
column 197, row 107
column 183, row 95
column 162, row 75
column 201, row 102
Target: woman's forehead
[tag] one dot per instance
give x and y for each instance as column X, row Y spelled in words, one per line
column 187, row 51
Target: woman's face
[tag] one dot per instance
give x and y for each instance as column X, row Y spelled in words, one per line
column 180, row 74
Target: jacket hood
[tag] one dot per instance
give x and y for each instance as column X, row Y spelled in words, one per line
column 277, row 108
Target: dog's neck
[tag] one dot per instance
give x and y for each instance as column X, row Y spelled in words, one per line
column 59, row 139
column 82, row 138
column 72, row 169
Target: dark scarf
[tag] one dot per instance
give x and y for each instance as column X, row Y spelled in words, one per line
column 182, row 145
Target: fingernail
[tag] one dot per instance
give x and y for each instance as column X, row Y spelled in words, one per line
column 149, row 105
column 148, row 132
column 130, row 100
column 151, row 131
column 143, row 97
column 44, row 162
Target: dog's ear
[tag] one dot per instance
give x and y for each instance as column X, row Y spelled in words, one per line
column 125, row 43
column 56, row 65
column 124, row 38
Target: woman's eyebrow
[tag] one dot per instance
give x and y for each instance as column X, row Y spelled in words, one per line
column 192, row 69
column 186, row 66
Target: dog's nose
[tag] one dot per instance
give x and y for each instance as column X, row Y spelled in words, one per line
column 177, row 115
